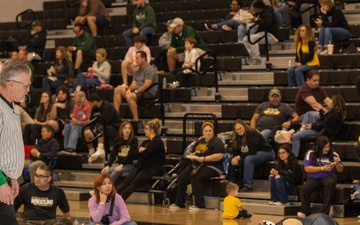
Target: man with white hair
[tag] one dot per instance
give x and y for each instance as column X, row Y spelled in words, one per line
column 15, row 81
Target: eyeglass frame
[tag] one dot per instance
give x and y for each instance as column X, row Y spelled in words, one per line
column 41, row 176
column 26, row 86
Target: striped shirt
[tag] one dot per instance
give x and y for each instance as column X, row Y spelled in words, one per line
column 11, row 141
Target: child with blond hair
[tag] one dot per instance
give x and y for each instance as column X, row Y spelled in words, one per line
column 233, row 208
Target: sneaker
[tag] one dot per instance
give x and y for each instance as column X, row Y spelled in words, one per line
column 300, row 214
column 325, row 52
column 281, row 204
column 226, row 28
column 271, row 203
column 249, row 215
column 253, row 62
column 195, row 208
column 100, row 152
column 124, row 86
column 207, row 27
column 246, row 189
column 174, row 207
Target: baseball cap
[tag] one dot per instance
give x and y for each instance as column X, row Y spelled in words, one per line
column 274, row 91
column 177, row 22
column 169, row 22
column 36, row 23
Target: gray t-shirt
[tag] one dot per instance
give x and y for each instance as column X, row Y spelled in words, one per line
column 271, row 116
column 146, row 73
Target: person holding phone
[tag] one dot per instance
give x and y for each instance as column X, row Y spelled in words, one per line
column 106, row 206
column 321, row 165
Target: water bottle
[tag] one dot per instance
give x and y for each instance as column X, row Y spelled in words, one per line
column 36, row 141
column 164, row 83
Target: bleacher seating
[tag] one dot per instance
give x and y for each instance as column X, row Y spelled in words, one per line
column 338, row 73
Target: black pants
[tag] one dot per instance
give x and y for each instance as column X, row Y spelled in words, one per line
column 203, row 175
column 7, row 212
column 136, row 179
column 327, row 186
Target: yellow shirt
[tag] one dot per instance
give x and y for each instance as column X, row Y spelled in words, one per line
column 231, row 207
column 305, row 50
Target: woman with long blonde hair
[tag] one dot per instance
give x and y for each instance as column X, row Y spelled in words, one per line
column 306, row 58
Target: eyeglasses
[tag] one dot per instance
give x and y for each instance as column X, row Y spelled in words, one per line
column 41, row 176
column 302, row 30
column 26, row 86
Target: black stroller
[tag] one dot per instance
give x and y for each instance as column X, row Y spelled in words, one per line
column 165, row 186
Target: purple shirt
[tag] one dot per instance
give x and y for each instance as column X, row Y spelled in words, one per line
column 324, row 160
column 120, row 213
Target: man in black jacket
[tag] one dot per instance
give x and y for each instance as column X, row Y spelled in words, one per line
column 35, row 43
column 266, row 22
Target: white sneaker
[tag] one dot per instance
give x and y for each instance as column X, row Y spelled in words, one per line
column 207, row 27
column 174, row 207
column 195, row 208
column 300, row 214
column 281, row 204
column 100, row 152
column 325, row 52
column 271, row 203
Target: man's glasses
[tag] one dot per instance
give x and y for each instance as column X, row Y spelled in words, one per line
column 26, row 86
column 41, row 176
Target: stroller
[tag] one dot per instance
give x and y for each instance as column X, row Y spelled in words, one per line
column 165, row 186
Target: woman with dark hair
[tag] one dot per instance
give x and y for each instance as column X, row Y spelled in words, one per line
column 59, row 72
column 42, row 116
column 320, row 166
column 249, row 150
column 285, row 177
column 305, row 58
column 121, row 161
column 206, row 162
column 151, row 158
column 106, row 206
column 329, row 123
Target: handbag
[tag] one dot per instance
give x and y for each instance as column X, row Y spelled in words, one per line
column 284, row 136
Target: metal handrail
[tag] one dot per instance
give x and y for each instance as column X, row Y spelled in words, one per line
column 259, row 21
column 27, row 23
column 72, row 4
column 209, row 53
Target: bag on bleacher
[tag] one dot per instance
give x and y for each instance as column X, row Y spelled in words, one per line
column 284, row 136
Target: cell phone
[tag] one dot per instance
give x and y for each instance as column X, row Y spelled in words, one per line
column 332, row 164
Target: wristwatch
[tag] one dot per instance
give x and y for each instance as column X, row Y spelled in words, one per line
column 135, row 91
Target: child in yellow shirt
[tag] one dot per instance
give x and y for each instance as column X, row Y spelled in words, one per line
column 233, row 208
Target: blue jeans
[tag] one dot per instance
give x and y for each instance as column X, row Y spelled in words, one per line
column 126, row 223
column 242, row 30
column 116, row 174
column 48, row 84
column 85, row 82
column 280, row 189
column 328, row 34
column 297, row 137
column 278, row 16
column 357, row 188
column 251, row 161
column 310, row 117
column 231, row 23
column 71, row 134
column 129, row 35
column 296, row 75
column 266, row 134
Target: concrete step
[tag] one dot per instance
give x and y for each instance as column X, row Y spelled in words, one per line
column 61, row 33
column 228, row 94
column 179, row 109
column 351, row 6
column 77, row 194
column 117, row 10
column 79, row 176
column 74, row 184
column 262, row 207
column 247, row 78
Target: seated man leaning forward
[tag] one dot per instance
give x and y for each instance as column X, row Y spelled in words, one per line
column 41, row 199
column 144, row 77
column 273, row 114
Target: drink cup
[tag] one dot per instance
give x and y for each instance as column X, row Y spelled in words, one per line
column 330, row 49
